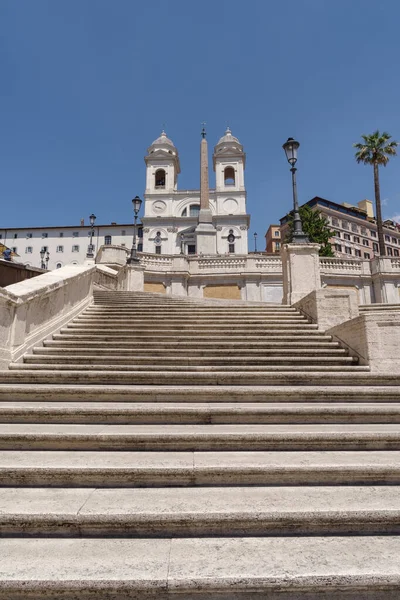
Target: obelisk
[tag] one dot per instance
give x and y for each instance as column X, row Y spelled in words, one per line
column 206, row 235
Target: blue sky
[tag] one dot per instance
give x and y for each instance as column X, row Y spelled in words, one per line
column 88, row 84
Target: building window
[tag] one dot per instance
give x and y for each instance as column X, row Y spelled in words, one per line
column 140, row 247
column 231, row 242
column 389, row 251
column 335, row 222
column 229, row 176
column 75, row 234
column 191, row 249
column 14, row 249
column 28, row 250
column 338, row 247
column 387, row 238
column 345, row 224
column 367, row 255
column 15, row 236
column 354, row 228
column 363, row 231
column 277, row 246
column 58, row 266
column 375, row 247
column 61, row 234
column 60, row 248
column 140, row 232
column 347, row 249
column 357, row 253
column 396, row 252
column 337, row 234
column 158, row 249
column 123, row 232
column 45, row 235
column 394, row 241
column 160, row 179
column 107, row 240
column 277, row 234
column 1, row 236
column 346, row 236
column 75, row 248
column 44, row 249
column 356, row 239
column 373, row 234
column 365, row 242
column 29, row 236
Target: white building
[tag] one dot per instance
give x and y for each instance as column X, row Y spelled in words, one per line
column 170, row 215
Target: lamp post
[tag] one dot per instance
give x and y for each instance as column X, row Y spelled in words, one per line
column 43, row 264
column 136, row 203
column 90, row 252
column 290, row 147
column 255, row 242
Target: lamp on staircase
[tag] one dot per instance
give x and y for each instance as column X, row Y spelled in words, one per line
column 136, row 203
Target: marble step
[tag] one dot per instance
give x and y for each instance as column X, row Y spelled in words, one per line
column 271, row 568
column 199, row 512
column 121, row 468
column 243, row 437
column 192, row 350
column 178, row 342
column 192, row 413
column 307, row 357
column 185, row 335
column 332, row 395
column 150, row 371
column 193, row 328
column 306, row 376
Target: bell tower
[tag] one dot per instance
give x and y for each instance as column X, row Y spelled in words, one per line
column 162, row 166
column 229, row 162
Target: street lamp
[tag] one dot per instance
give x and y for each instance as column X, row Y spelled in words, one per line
column 90, row 252
column 136, row 203
column 290, row 147
column 255, row 242
column 43, row 253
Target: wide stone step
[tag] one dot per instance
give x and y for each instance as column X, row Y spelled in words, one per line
column 207, row 324
column 155, row 320
column 333, row 395
column 60, row 342
column 196, row 413
column 197, row 512
column 246, row 437
column 362, row 567
column 88, row 468
column 194, row 363
column 187, row 350
column 187, row 334
column 204, row 329
column 307, row 376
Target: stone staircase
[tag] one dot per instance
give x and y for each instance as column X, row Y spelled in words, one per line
column 161, row 447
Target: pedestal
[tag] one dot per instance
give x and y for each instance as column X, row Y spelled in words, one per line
column 300, row 270
column 135, row 278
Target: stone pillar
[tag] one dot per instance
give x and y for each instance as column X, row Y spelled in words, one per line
column 206, row 235
column 384, row 281
column 134, row 278
column 300, row 270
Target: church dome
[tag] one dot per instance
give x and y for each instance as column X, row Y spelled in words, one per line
column 163, row 140
column 228, row 138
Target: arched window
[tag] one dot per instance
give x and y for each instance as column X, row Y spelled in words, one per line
column 160, row 178
column 194, row 210
column 58, row 266
column 229, row 176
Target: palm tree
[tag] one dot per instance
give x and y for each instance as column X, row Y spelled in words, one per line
column 376, row 150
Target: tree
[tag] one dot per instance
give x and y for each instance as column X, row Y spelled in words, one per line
column 376, row 150
column 315, row 226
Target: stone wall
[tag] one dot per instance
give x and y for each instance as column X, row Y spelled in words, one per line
column 11, row 273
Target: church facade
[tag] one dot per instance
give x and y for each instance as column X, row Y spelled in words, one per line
column 171, row 216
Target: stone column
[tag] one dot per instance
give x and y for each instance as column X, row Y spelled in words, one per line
column 384, row 281
column 301, row 271
column 134, row 278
